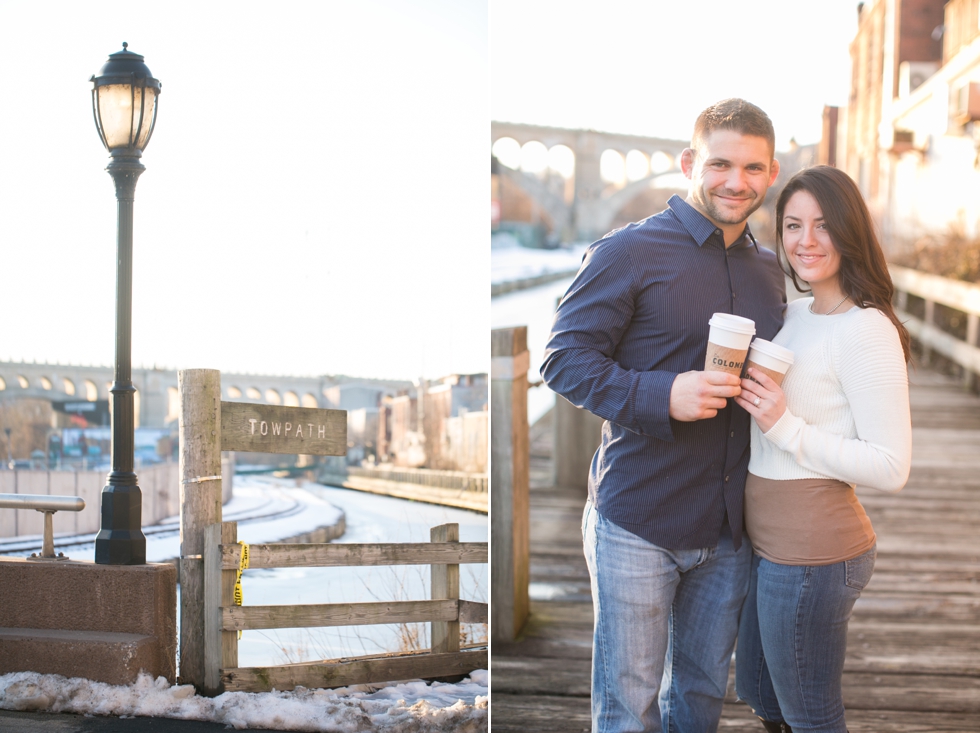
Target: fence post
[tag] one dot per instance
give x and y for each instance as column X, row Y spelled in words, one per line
column 509, row 499
column 212, row 609
column 972, row 328
column 930, row 320
column 229, row 639
column 445, row 584
column 200, row 506
column 577, row 436
column 220, row 647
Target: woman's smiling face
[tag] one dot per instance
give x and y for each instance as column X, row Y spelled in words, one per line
column 806, row 240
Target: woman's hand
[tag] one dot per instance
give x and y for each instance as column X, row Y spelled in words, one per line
column 762, row 399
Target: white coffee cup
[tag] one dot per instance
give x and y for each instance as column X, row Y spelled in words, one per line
column 728, row 342
column 772, row 359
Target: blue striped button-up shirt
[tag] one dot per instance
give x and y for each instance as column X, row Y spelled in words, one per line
column 635, row 317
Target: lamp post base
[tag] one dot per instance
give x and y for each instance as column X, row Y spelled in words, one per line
column 121, row 540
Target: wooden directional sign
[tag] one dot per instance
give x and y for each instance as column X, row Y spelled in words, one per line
column 276, row 429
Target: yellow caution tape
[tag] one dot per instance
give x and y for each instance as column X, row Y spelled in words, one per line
column 242, row 565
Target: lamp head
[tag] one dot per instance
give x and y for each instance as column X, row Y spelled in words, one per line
column 124, row 103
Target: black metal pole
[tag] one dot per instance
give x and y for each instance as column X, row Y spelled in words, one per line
column 120, row 540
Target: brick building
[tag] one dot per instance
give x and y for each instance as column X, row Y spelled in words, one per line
column 913, row 121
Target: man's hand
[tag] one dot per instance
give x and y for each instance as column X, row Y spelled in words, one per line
column 699, row 395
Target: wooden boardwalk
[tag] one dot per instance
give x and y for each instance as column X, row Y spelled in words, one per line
column 913, row 662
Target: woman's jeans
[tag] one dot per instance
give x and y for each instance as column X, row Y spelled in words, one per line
column 665, row 626
column 792, row 638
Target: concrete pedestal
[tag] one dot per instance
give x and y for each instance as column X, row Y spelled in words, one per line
column 78, row 619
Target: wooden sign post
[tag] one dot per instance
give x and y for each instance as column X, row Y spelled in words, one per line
column 207, row 427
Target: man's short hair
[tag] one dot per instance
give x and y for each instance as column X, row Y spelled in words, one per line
column 734, row 114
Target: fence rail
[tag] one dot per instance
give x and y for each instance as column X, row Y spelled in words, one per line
column 953, row 294
column 323, row 556
column 444, row 611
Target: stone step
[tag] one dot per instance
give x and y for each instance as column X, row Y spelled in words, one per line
column 118, row 657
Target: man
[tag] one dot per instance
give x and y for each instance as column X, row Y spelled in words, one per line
column 663, row 524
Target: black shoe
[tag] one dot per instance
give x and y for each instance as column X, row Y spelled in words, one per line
column 773, row 727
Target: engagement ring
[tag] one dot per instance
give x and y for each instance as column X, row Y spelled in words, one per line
column 756, row 401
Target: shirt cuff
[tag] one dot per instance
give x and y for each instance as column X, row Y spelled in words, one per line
column 786, row 428
column 653, row 404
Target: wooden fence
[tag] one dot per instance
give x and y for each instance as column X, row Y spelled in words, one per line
column 444, row 611
column 943, row 315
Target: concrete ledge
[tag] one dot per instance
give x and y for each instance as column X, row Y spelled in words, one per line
column 477, row 501
column 119, row 657
column 79, row 619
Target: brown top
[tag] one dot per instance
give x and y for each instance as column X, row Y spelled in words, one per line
column 810, row 521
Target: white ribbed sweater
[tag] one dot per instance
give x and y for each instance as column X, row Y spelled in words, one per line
column 847, row 402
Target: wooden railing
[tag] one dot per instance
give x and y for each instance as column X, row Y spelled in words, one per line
column 954, row 335
column 444, row 611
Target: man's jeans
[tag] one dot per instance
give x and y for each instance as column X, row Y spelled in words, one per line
column 793, row 637
column 665, row 625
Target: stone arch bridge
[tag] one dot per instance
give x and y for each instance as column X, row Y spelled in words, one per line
column 594, row 202
column 158, row 402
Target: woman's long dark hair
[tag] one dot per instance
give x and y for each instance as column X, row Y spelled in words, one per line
column 863, row 273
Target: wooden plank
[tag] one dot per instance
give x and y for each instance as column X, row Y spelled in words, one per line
column 352, row 672
column 445, row 585
column 200, row 505
column 234, row 618
column 280, row 429
column 472, row 613
column 513, row 713
column 229, row 639
column 212, row 609
column 333, row 555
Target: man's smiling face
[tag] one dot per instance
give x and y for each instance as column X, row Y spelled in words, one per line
column 730, row 174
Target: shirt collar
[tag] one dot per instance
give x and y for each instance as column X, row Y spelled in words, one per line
column 699, row 227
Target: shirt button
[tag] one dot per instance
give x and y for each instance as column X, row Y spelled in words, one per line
column 726, row 479
column 733, row 434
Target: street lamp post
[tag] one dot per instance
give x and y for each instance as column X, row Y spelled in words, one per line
column 124, row 103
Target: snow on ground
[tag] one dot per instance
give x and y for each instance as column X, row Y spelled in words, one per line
column 408, row 706
column 510, row 261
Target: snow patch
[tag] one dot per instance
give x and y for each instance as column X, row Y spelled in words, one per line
column 515, row 262
column 415, row 706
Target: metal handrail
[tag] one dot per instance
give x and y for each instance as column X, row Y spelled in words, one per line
column 48, row 505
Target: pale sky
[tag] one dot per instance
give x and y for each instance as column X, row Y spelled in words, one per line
column 315, row 194
column 650, row 67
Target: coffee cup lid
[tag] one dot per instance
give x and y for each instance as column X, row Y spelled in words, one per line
column 774, row 350
column 732, row 323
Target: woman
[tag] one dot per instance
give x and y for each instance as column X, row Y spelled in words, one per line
column 841, row 418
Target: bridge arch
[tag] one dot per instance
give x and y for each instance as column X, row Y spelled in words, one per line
column 585, row 213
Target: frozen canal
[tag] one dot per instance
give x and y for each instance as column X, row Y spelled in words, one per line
column 534, row 308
